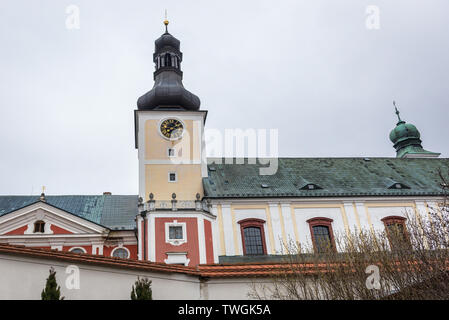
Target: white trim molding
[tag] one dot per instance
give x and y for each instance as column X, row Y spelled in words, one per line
column 120, row 246
column 177, row 258
column 175, row 242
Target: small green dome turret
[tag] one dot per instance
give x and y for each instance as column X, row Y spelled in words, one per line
column 404, row 131
column 407, row 140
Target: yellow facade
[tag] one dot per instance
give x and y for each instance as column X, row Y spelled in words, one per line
column 186, row 164
column 188, row 183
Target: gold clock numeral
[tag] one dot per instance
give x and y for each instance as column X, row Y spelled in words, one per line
column 171, row 128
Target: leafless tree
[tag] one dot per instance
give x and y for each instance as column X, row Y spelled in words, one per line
column 411, row 263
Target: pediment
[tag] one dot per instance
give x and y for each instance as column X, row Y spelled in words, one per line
column 56, row 222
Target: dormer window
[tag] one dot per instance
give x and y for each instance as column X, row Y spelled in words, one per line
column 398, row 185
column 39, row 226
column 311, row 186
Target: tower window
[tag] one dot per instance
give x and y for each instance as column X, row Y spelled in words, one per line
column 253, row 236
column 175, row 232
column 39, row 226
column 171, row 152
column 322, row 234
column 168, row 62
column 172, row 177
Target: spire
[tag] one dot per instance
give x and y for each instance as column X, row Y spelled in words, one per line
column 168, row 91
column 166, row 22
column 397, row 112
column 42, row 197
column 407, row 140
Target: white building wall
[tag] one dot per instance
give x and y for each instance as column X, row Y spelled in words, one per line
column 348, row 214
column 24, row 278
column 277, row 228
column 228, row 230
column 288, row 223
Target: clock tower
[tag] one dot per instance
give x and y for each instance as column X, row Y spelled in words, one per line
column 174, row 226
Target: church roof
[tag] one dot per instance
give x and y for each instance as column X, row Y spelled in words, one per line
column 116, row 212
column 328, row 177
column 295, row 177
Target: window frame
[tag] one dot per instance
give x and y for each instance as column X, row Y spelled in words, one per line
column 121, row 247
column 176, row 176
column 77, row 248
column 255, row 223
column 175, row 242
column 321, row 221
column 389, row 220
column 174, row 152
column 40, row 222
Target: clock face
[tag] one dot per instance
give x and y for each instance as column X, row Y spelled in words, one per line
column 172, row 129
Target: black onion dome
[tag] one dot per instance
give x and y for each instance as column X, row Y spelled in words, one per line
column 166, row 40
column 168, row 91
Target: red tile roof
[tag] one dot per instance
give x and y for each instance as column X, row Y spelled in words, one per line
column 95, row 259
column 206, row 271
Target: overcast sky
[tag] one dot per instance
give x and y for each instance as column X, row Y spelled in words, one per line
column 311, row 69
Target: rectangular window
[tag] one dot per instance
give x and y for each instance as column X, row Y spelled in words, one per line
column 172, row 177
column 322, row 234
column 322, row 238
column 171, row 152
column 253, row 241
column 175, row 232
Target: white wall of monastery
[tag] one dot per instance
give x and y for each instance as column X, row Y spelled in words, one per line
column 286, row 221
column 24, row 277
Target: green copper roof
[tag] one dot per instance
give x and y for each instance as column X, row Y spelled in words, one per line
column 331, row 177
column 406, row 140
column 116, row 212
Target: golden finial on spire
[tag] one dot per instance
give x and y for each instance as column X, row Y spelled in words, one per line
column 166, row 21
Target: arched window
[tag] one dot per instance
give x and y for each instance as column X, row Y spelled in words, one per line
column 120, row 253
column 253, row 236
column 39, row 226
column 168, row 60
column 77, row 250
column 322, row 234
column 396, row 231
